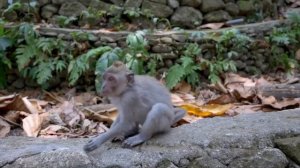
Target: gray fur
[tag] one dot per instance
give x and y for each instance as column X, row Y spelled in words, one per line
column 146, row 102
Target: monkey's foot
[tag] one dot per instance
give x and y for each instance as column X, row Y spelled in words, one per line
column 118, row 138
column 133, row 141
column 90, row 146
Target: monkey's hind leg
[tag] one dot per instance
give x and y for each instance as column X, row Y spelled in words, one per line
column 159, row 119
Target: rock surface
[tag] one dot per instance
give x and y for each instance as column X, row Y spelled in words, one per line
column 241, row 141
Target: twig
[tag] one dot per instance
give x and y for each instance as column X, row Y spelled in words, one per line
column 11, row 122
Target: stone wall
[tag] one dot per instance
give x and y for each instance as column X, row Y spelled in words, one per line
column 183, row 13
column 170, row 46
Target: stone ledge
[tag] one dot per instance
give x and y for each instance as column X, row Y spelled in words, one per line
column 241, row 141
column 259, row 28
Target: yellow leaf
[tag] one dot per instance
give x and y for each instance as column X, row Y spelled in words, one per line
column 209, row 110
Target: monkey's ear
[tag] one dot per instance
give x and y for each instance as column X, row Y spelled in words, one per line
column 130, row 78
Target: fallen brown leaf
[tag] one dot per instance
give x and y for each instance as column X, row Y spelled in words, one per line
column 32, row 125
column 4, row 128
column 85, row 99
column 13, row 116
column 52, row 129
column 285, row 103
column 213, row 26
column 183, row 87
column 243, row 109
column 70, row 114
column 176, row 100
column 223, row 99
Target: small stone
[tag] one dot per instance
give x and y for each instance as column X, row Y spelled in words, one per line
column 245, row 7
column 291, row 147
column 169, row 63
column 217, row 16
column 166, row 40
column 212, row 5
column 118, row 2
column 3, row 4
column 113, row 45
column 161, row 48
column 98, row 43
column 232, row 9
column 133, row 3
column 186, row 16
column 157, row 9
column 61, row 36
column 179, row 38
column 58, row 2
column 10, row 15
column 154, row 41
column 107, row 39
column 43, row 2
column 173, row 3
column 48, row 11
column 192, row 3
column 71, row 9
column 183, row 162
column 19, row 83
column 100, row 5
column 159, row 1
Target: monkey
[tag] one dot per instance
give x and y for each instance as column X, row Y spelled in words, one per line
column 144, row 107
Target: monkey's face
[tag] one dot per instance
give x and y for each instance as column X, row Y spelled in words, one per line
column 113, row 84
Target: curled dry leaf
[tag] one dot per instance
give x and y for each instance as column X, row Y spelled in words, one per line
column 17, row 103
column 32, row 125
column 285, row 103
column 183, row 87
column 4, row 128
column 5, row 101
column 176, row 100
column 70, row 114
column 266, row 100
column 213, row 26
column 243, row 109
column 13, row 116
column 222, row 99
column 85, row 99
column 53, row 129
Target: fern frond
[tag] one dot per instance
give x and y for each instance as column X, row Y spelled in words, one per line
column 174, row 76
column 60, row 65
column 44, row 72
column 24, row 53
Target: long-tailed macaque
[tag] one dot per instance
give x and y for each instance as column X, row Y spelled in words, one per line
column 141, row 101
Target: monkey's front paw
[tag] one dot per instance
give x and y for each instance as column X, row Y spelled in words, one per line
column 132, row 141
column 90, row 146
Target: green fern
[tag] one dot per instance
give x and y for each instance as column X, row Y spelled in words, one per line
column 24, row 54
column 174, row 76
column 44, row 72
column 81, row 64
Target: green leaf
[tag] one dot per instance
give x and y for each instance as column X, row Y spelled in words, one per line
column 60, row 65
column 44, row 72
column 174, row 76
column 214, row 78
column 186, row 61
column 106, row 60
column 5, row 43
column 24, row 54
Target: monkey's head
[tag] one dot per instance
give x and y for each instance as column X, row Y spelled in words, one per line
column 116, row 79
